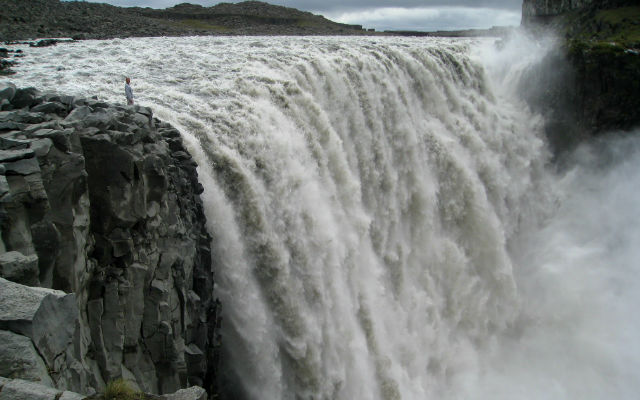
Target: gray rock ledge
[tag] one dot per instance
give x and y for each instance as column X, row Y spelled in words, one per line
column 104, row 256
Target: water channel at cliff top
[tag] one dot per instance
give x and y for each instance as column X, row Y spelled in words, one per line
column 387, row 223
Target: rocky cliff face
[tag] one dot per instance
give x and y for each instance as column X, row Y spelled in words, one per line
column 532, row 9
column 591, row 83
column 104, row 253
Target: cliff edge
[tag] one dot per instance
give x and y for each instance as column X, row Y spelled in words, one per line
column 104, row 256
column 591, row 84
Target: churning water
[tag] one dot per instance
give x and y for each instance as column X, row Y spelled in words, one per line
column 385, row 222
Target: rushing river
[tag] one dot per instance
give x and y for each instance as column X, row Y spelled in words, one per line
column 386, row 220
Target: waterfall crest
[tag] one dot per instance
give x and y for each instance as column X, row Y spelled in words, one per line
column 367, row 194
column 384, row 225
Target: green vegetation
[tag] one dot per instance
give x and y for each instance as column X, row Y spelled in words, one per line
column 606, row 28
column 621, row 25
column 201, row 25
column 120, row 389
column 305, row 23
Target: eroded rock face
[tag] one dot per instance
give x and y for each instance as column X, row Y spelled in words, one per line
column 534, row 11
column 23, row 389
column 102, row 201
column 19, row 359
column 544, row 8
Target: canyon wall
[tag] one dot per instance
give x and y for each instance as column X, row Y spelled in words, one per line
column 103, row 249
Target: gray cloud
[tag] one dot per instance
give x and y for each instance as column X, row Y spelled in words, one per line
column 428, row 18
column 385, row 14
column 340, row 5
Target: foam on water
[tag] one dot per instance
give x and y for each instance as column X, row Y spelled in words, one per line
column 384, row 225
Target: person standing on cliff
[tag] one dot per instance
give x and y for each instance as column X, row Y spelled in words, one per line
column 128, row 91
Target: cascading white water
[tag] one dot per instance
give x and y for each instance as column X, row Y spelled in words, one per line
column 384, row 226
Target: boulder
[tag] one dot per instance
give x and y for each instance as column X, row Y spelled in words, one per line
column 5, row 105
column 192, row 393
column 11, row 125
column 13, row 144
column 78, row 115
column 44, row 43
column 7, row 91
column 15, row 154
column 26, row 166
column 50, row 107
column 46, row 316
column 25, row 97
column 18, row 389
column 22, row 116
column 16, row 267
column 67, row 395
column 19, row 359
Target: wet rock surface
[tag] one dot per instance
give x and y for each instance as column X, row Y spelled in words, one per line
column 104, row 257
column 590, row 84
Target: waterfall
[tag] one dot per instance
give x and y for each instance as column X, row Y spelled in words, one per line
column 384, row 223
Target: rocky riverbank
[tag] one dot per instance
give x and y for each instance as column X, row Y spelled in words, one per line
column 104, row 256
column 88, row 20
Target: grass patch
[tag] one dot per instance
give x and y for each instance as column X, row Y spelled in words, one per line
column 201, row 25
column 619, row 25
column 120, row 389
column 307, row 23
column 622, row 15
column 622, row 23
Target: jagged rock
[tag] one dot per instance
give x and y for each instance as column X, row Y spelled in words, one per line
column 5, row 105
column 54, row 326
column 114, row 217
column 44, row 43
column 4, row 189
column 41, row 147
column 50, row 107
column 14, row 155
column 19, row 359
column 29, row 130
column 22, row 116
column 66, row 395
column 13, row 144
column 25, row 166
column 16, row 267
column 46, row 316
column 10, row 126
column 25, row 97
column 192, row 393
column 18, row 389
column 543, row 8
column 7, row 91
column 78, row 115
column 61, row 138
column 19, row 304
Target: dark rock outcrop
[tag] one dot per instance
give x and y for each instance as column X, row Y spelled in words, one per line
column 536, row 10
column 542, row 11
column 591, row 83
column 103, row 235
column 19, row 389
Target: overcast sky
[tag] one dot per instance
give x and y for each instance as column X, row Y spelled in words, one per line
column 421, row 15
